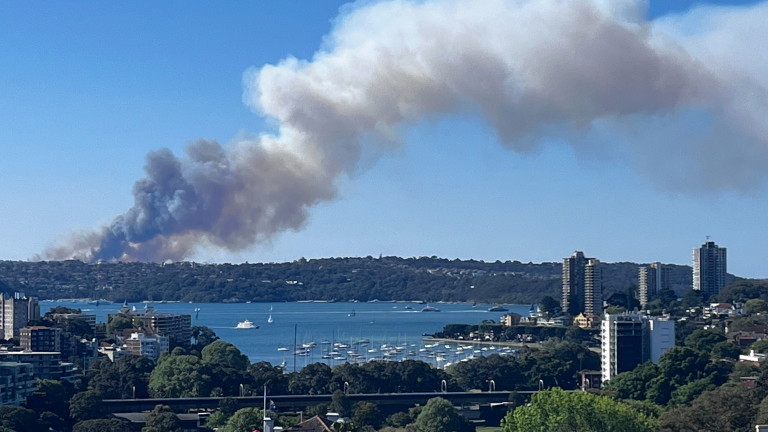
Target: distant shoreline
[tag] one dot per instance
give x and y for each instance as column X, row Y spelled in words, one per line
column 480, row 342
column 494, row 343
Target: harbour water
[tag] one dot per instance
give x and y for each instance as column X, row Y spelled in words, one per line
column 325, row 332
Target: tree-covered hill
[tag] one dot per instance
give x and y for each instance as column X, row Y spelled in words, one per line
column 364, row 279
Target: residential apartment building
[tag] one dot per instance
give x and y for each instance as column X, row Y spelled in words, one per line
column 177, row 327
column 582, row 285
column 662, row 335
column 17, row 381
column 710, row 268
column 63, row 318
column 150, row 346
column 46, row 365
column 652, row 279
column 629, row 339
column 15, row 312
column 40, row 338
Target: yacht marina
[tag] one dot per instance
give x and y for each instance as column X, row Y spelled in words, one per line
column 299, row 333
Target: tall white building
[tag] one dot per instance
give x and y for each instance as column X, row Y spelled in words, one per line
column 582, row 285
column 15, row 312
column 710, row 267
column 629, row 339
column 652, row 279
column 662, row 334
column 150, row 346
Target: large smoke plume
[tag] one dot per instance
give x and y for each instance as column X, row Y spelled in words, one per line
column 684, row 94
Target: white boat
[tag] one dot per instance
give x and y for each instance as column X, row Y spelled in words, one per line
column 270, row 320
column 247, row 324
column 430, row 309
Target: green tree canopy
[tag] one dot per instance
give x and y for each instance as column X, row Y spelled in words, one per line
column 87, row 405
column 727, row 408
column 725, row 350
column 559, row 411
column 224, row 354
column 633, row 384
column 103, row 425
column 78, row 327
column 59, row 310
column 760, row 346
column 246, row 419
column 264, row 374
column 438, row 415
column 549, row 306
column 557, row 364
column 477, row 373
column 162, row 419
column 119, row 323
column 180, row 376
column 744, row 290
column 754, row 306
column 52, row 396
column 315, row 378
column 367, row 414
column 18, row 419
column 340, row 404
column 124, row 378
column 202, row 337
column 703, row 340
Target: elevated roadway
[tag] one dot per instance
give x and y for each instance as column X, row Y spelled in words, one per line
column 301, row 402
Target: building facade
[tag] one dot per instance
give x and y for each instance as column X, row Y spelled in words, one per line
column 45, row 365
column 582, row 285
column 629, row 339
column 150, row 346
column 652, row 279
column 63, row 318
column 16, row 311
column 710, row 267
column 17, row 381
column 177, row 327
column 662, row 334
column 40, row 338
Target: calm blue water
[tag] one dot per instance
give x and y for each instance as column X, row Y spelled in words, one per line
column 372, row 330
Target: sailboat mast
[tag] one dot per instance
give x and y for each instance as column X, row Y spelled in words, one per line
column 295, row 328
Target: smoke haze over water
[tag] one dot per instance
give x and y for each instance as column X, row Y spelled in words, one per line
column 680, row 86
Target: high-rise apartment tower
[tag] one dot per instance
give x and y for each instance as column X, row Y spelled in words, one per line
column 709, row 268
column 15, row 312
column 652, row 279
column 582, row 285
column 629, row 339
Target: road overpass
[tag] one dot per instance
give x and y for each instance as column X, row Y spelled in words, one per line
column 301, row 402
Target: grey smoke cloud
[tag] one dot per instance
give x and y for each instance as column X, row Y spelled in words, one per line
column 531, row 69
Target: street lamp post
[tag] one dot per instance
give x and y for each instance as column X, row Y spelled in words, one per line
column 346, row 387
column 443, row 386
column 491, row 385
column 541, row 385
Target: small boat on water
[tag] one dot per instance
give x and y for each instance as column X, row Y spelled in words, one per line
column 430, row 309
column 270, row 320
column 247, row 324
column 351, row 314
column 497, row 308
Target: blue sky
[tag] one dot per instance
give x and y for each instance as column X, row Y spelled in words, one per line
column 88, row 89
